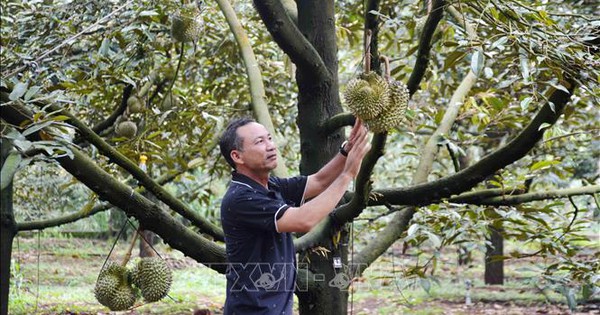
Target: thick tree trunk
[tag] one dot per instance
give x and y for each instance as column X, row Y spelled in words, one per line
column 8, row 231
column 494, row 266
column 318, row 101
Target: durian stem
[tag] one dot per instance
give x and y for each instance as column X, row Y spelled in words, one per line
column 168, row 94
column 128, row 253
column 368, row 36
column 387, row 72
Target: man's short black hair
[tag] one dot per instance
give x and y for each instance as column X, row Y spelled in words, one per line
column 230, row 140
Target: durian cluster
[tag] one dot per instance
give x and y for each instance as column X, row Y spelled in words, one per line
column 186, row 25
column 118, row 287
column 379, row 103
column 124, row 127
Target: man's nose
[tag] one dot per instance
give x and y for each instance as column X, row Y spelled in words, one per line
column 271, row 145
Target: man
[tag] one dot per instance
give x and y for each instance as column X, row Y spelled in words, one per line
column 259, row 211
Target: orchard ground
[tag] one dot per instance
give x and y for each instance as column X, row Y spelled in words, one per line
column 54, row 274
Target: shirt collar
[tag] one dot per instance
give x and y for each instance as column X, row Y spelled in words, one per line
column 245, row 180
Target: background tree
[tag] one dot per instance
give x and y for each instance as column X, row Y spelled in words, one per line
column 519, row 80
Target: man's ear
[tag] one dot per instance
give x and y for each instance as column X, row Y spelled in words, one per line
column 236, row 157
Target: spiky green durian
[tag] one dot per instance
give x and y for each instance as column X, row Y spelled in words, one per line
column 113, row 288
column 186, row 24
column 171, row 100
column 123, row 299
column 153, row 277
column 126, row 129
column 393, row 113
column 135, row 104
column 386, row 121
column 367, row 95
column 398, row 97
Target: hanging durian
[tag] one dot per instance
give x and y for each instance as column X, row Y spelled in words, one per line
column 394, row 112
column 171, row 100
column 113, row 288
column 186, row 24
column 135, row 104
column 126, row 129
column 367, row 95
column 385, row 121
column 153, row 277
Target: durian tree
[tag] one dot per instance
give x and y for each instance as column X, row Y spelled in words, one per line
column 520, row 79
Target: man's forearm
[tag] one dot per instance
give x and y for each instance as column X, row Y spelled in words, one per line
column 326, row 175
column 302, row 219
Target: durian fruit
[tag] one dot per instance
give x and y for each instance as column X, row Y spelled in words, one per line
column 385, row 121
column 394, row 112
column 398, row 96
column 186, row 24
column 153, row 277
column 113, row 288
column 171, row 100
column 135, row 104
column 367, row 95
column 126, row 129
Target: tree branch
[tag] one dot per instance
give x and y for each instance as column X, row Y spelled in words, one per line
column 372, row 25
column 456, row 101
column 506, row 200
column 425, row 43
column 150, row 215
column 427, row 193
column 291, row 40
column 85, row 212
column 336, row 122
column 510, row 153
column 121, row 160
column 255, row 79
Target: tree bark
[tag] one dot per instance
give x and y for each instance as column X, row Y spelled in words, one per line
column 8, row 232
column 318, row 100
column 494, row 264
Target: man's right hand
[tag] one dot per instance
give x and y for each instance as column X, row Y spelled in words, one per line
column 358, row 148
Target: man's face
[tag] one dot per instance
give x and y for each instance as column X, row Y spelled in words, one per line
column 258, row 152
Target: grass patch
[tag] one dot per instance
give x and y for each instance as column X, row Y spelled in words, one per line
column 68, row 267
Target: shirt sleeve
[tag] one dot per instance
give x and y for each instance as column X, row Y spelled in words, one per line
column 292, row 189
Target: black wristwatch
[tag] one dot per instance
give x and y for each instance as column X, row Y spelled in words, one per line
column 342, row 149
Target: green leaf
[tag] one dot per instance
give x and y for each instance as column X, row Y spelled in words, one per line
column 10, row 167
column 37, row 127
column 499, row 43
column 524, row 63
column 425, row 284
column 104, row 47
column 148, row 13
column 544, row 126
column 18, row 91
column 434, row 239
column 525, row 103
column 488, row 72
column 32, row 92
column 477, row 61
column 559, row 87
column 452, row 59
column 542, row 165
column 412, row 229
column 571, row 301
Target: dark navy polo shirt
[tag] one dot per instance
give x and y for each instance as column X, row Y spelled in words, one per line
column 261, row 272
